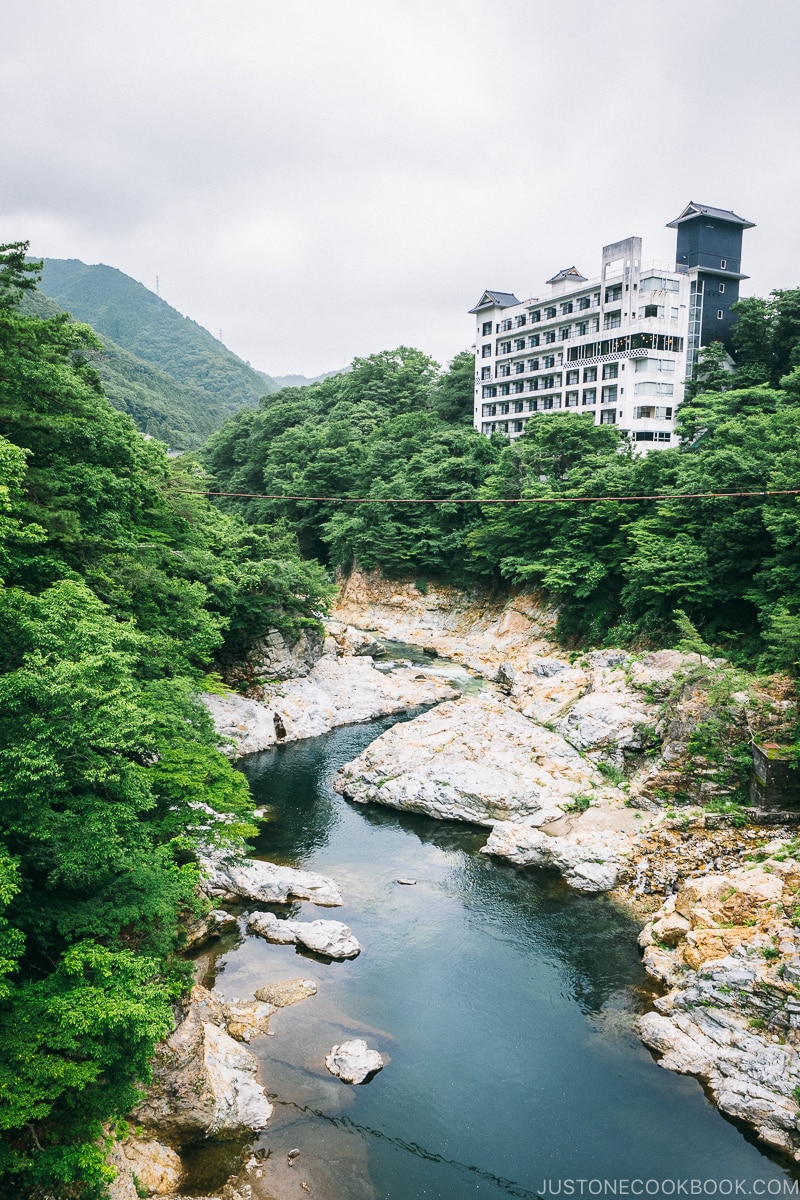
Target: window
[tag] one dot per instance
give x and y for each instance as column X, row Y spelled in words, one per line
column 609, row 394
column 489, row 391
column 505, row 348
column 582, row 327
column 652, row 310
column 590, row 395
column 653, row 389
column 723, row 264
column 503, row 409
column 720, row 314
column 550, row 336
column 595, row 324
column 533, row 340
column 613, row 293
column 584, row 302
column 533, row 405
column 519, row 321
column 536, row 315
column 516, row 426
column 533, row 385
column 549, row 381
column 572, row 377
column 503, row 369
column 612, row 320
column 486, row 373
column 589, row 374
column 487, row 329
column 519, row 344
column 611, row 371
column 519, row 367
column 547, row 402
column 549, row 360
column 533, row 364
column 517, row 403
column 505, row 388
column 563, row 332
column 658, row 283
column 550, row 313
column 505, row 325
column 664, row 437
column 721, row 289
column 486, row 351
column 660, row 365
column 663, row 413
column 643, row 435
column 571, row 400
column 566, row 307
column 608, row 416
column 673, row 314
column 490, row 410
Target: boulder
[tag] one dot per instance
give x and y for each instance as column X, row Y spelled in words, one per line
column 154, row 1166
column 286, row 992
column 331, row 938
column 204, row 1083
column 245, row 1019
column 589, row 862
column 477, row 759
column 228, row 876
column 353, row 1061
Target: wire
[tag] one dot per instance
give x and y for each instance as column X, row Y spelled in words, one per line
column 473, row 500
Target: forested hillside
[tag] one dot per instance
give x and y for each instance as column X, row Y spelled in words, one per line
column 394, row 428
column 117, row 590
column 176, row 380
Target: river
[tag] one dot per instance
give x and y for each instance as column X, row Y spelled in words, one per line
column 502, row 1002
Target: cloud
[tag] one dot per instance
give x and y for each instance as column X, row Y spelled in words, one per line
column 321, row 180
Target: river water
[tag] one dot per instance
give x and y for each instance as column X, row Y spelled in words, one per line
column 502, row 1002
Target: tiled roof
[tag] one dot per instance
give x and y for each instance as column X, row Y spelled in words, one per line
column 693, row 209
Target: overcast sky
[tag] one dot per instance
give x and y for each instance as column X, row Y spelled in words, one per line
column 331, row 178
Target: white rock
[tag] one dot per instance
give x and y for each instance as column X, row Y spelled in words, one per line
column 331, row 938
column 353, row 1061
column 477, row 759
column 337, row 691
column 204, row 1083
column 228, row 876
column 589, row 862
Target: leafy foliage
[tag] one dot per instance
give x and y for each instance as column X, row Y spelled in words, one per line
column 119, row 586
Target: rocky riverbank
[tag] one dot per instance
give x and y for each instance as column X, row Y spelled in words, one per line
column 573, row 763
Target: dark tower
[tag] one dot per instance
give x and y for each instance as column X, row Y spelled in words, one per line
column 709, row 250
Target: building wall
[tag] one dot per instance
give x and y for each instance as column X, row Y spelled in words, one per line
column 612, row 348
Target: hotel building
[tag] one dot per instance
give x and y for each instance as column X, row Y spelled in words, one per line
column 618, row 348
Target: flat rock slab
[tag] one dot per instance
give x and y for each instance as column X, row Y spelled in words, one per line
column 331, row 938
column 353, row 1061
column 286, row 992
column 227, row 876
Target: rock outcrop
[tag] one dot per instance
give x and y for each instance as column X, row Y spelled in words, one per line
column 336, row 691
column 144, row 1164
column 329, row 938
column 589, row 861
column 476, row 759
column 204, row 1083
column 228, row 876
column 353, row 1061
column 727, row 944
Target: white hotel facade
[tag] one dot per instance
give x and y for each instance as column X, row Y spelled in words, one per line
column 618, row 348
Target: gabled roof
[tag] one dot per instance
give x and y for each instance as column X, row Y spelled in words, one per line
column 568, row 273
column 693, row 209
column 495, row 300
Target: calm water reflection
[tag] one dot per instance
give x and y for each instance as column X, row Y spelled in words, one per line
column 503, row 1001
